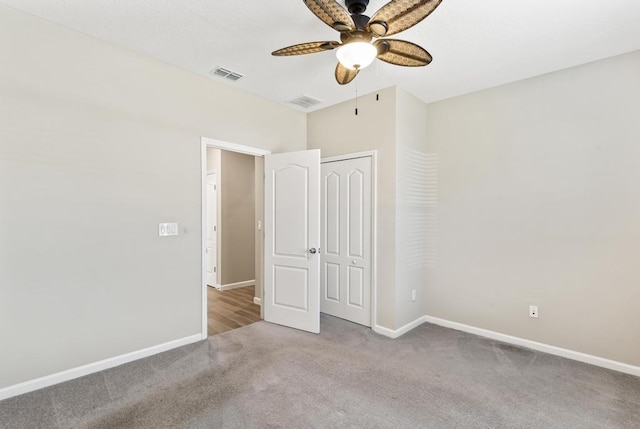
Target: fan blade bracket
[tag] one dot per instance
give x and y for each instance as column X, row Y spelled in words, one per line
column 382, row 46
column 327, row 46
column 342, row 26
column 378, row 28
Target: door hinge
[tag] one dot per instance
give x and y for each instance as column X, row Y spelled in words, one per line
column 215, row 228
column 215, row 187
column 215, row 269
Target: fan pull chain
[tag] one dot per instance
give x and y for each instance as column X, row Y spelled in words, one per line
column 378, row 80
column 356, row 99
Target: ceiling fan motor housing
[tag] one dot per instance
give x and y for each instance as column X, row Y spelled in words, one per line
column 357, row 6
column 360, row 21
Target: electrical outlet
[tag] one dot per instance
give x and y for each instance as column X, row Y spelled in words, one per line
column 413, row 295
column 533, row 311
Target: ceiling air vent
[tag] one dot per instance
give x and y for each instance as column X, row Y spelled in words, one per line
column 226, row 74
column 305, row 101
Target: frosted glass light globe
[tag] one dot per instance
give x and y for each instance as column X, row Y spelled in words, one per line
column 356, row 55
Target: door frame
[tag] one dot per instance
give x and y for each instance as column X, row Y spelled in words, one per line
column 209, row 172
column 206, row 142
column 373, row 154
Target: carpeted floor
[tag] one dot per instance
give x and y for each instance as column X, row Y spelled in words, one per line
column 264, row 375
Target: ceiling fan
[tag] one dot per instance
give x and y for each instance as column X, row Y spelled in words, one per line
column 357, row 31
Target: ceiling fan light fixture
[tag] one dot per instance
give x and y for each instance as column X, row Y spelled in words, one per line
column 356, row 55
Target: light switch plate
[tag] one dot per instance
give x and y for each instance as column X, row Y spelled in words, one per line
column 167, row 229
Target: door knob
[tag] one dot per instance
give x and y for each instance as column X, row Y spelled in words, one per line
column 313, row 250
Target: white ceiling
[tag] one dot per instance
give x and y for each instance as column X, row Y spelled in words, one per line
column 475, row 44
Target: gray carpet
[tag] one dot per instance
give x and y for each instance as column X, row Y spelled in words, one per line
column 264, row 376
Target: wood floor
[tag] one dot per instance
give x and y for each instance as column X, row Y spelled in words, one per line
column 231, row 309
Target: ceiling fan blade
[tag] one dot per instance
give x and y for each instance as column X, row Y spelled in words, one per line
column 332, row 14
column 345, row 75
column 398, row 15
column 402, row 53
column 305, row 48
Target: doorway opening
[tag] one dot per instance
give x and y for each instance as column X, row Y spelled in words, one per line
column 232, row 235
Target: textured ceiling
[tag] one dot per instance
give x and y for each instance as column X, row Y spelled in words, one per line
column 475, row 44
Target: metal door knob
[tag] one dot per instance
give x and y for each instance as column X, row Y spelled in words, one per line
column 313, row 250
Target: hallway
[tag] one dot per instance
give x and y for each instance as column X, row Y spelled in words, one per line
column 231, row 309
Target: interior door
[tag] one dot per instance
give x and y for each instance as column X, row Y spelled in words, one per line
column 292, row 239
column 345, row 279
column 212, row 271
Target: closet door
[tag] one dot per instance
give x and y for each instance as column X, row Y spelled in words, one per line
column 346, row 205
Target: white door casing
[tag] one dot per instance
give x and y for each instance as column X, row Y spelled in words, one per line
column 212, row 233
column 346, row 259
column 292, row 240
column 206, row 142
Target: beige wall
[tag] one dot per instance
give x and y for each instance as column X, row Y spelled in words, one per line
column 336, row 130
column 97, row 146
column 540, row 204
column 237, row 204
column 411, row 207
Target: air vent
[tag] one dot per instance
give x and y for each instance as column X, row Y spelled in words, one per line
column 305, row 101
column 226, row 74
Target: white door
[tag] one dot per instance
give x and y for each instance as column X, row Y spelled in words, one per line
column 292, row 239
column 346, row 240
column 212, row 233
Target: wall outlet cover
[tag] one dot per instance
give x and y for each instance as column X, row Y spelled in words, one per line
column 167, row 229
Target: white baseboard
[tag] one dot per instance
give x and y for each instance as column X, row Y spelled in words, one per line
column 400, row 331
column 236, row 285
column 546, row 348
column 534, row 345
column 70, row 374
column 257, row 300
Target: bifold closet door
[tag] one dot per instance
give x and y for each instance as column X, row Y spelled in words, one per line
column 345, row 273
